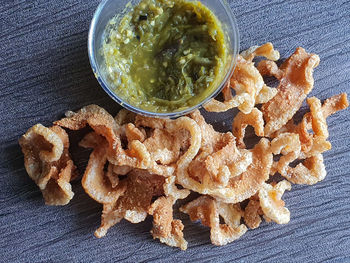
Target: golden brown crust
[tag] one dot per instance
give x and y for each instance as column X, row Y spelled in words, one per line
column 295, row 83
column 241, row 121
column 48, row 163
column 208, row 211
column 252, row 214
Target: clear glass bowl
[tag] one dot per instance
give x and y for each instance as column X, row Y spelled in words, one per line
column 108, row 9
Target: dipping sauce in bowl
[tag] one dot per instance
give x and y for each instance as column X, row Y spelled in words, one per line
column 164, row 57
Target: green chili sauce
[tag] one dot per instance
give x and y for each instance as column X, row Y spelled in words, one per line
column 165, row 55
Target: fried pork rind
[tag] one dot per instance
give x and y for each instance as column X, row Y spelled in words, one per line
column 315, row 143
column 312, row 169
column 136, row 155
column 171, row 190
column 98, row 184
column 218, row 158
column 272, row 204
column 98, row 119
column 93, row 140
column 267, row 50
column 133, row 133
column 165, row 228
column 48, row 163
column 249, row 168
column 124, row 117
column 104, row 124
column 248, row 183
column 224, row 164
column 270, row 68
column 296, row 81
column 133, row 205
column 247, row 83
column 209, row 212
column 252, row 213
column 169, row 140
column 287, row 144
column 242, row 182
column 241, row 121
column 266, row 94
column 319, row 123
column 335, row 104
column 311, row 144
column 163, row 147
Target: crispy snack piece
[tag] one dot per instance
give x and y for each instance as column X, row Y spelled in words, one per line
column 136, row 155
column 209, row 212
column 272, row 204
column 133, row 133
column 164, row 147
column 179, row 133
column 133, row 205
column 248, row 183
column 316, row 143
column 167, row 128
column 296, row 81
column 310, row 171
column 241, row 121
column 302, row 129
column 311, row 144
column 171, row 190
column 122, row 170
column 112, row 176
column 318, row 120
column 267, row 50
column 249, row 168
column 247, row 83
column 104, row 124
column 222, row 165
column 98, row 184
column 266, row 94
column 270, row 68
column 98, row 119
column 335, row 104
column 165, row 228
column 244, row 182
column 124, row 117
column 289, row 145
column 93, row 140
column 253, row 212
column 48, row 163
column 218, row 158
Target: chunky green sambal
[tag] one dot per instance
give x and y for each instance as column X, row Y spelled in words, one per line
column 165, row 55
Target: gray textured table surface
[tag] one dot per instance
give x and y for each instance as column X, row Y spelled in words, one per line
column 44, row 71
